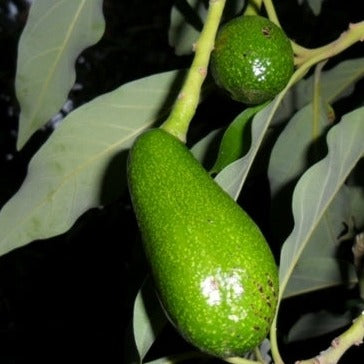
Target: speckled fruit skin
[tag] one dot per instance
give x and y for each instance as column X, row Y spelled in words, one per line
column 214, row 272
column 252, row 59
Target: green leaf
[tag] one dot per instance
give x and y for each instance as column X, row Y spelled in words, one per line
column 82, row 164
column 315, row 324
column 319, row 273
column 336, row 82
column 318, row 187
column 232, row 177
column 202, row 149
column 179, row 358
column 235, row 139
column 320, row 265
column 356, row 198
column 148, row 319
column 315, row 5
column 291, row 151
column 55, row 34
column 187, row 18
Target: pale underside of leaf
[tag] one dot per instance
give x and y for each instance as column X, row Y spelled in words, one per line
column 56, row 32
column 319, row 273
column 186, row 21
column 186, row 24
column 68, row 175
column 289, row 156
column 321, row 265
column 317, row 323
column 335, row 83
column 148, row 318
column 318, row 187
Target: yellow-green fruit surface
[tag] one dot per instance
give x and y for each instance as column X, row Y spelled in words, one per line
column 252, row 59
column 213, row 270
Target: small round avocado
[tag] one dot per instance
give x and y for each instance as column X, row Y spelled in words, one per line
column 252, row 59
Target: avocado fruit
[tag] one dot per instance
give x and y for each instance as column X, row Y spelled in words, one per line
column 252, row 59
column 213, row 270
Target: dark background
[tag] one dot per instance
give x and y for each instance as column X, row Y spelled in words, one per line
column 69, row 298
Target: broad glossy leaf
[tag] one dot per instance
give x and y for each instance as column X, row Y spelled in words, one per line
column 318, row 187
column 148, row 318
column 234, row 139
column 321, row 264
column 315, row 5
column 179, row 358
column 315, row 324
column 187, row 18
column 232, row 177
column 82, row 164
column 335, row 83
column 201, row 149
column 356, row 198
column 56, row 32
column 290, row 155
column 319, row 273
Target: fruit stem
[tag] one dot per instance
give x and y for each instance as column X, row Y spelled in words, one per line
column 186, row 103
column 253, row 7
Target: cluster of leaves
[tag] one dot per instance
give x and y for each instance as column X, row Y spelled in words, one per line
column 313, row 159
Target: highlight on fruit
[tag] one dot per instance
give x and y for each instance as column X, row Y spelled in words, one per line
column 252, row 60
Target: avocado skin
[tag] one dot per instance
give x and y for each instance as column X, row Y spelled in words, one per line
column 253, row 59
column 214, row 272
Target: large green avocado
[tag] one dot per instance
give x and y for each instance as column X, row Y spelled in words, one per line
column 213, row 270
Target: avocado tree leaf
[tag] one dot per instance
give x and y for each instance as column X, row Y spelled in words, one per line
column 356, row 198
column 234, row 140
column 56, row 32
column 321, row 264
column 315, row 5
column 187, row 19
column 318, row 187
column 335, row 83
column 202, row 149
column 319, row 323
column 319, row 273
column 232, row 177
column 148, row 319
column 82, row 164
column 291, row 152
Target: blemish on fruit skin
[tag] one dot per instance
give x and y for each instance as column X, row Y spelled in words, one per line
column 266, row 31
